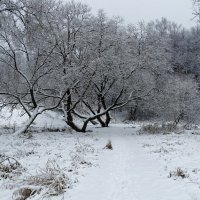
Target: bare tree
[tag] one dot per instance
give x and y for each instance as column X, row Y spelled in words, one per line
column 196, row 8
column 106, row 71
column 29, row 63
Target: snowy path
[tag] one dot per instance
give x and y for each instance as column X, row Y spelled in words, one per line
column 128, row 173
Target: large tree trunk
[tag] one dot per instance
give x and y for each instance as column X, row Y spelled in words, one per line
column 98, row 111
column 70, row 120
column 69, row 117
column 84, row 126
column 108, row 118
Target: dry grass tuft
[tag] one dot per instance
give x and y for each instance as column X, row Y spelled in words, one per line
column 24, row 193
column 109, row 145
column 9, row 167
column 178, row 173
column 52, row 177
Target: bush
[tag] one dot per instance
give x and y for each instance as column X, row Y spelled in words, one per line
column 157, row 128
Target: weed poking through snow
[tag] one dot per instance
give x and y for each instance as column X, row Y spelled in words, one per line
column 178, row 173
column 109, row 145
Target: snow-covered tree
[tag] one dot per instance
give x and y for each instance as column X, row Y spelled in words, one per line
column 28, row 61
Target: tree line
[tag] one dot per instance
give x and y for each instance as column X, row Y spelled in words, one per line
column 59, row 56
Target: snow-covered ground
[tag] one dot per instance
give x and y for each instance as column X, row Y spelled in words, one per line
column 140, row 166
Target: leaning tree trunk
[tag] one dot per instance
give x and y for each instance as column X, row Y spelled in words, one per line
column 27, row 124
column 177, row 120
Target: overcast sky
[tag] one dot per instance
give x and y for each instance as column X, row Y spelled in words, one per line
column 179, row 11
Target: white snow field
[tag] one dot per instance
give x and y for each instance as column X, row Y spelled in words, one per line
column 138, row 167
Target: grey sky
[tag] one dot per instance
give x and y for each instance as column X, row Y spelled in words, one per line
column 179, row 11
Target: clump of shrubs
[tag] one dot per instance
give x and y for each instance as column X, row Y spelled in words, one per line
column 156, row 128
